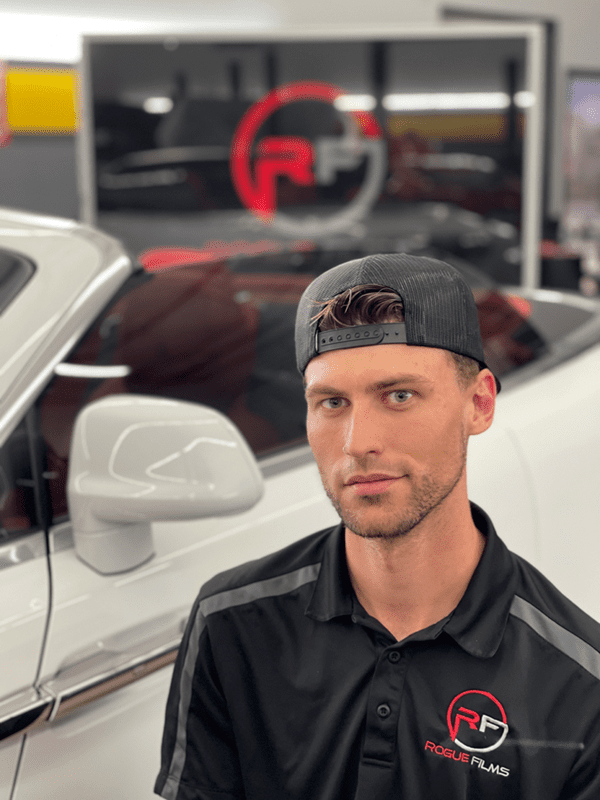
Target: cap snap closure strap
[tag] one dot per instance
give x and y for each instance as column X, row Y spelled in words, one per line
column 360, row 336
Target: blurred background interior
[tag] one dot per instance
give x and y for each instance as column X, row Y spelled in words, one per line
column 238, row 149
column 450, row 131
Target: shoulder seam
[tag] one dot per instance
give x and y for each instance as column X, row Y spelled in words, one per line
column 559, row 637
column 270, row 587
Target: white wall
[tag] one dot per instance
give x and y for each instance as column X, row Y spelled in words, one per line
column 579, row 19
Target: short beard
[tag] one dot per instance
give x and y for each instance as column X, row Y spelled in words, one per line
column 427, row 496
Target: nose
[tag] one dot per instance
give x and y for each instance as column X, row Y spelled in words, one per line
column 364, row 433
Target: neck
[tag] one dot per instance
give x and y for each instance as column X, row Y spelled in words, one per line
column 413, row 581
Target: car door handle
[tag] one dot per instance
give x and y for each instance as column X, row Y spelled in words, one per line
column 95, row 672
column 23, row 711
column 114, row 662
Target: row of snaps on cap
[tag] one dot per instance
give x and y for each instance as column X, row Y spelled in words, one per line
column 340, row 338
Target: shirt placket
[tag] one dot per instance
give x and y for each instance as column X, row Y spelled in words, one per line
column 380, row 747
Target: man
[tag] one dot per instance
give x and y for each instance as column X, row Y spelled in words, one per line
column 405, row 653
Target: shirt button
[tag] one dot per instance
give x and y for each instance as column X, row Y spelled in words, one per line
column 394, row 656
column 383, row 711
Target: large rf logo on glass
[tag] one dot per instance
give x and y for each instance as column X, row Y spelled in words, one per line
column 257, row 165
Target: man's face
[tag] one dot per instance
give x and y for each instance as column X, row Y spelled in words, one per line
column 388, row 426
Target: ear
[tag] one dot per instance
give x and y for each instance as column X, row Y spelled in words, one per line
column 482, row 402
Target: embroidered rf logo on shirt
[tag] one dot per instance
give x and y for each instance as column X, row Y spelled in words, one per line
column 477, row 724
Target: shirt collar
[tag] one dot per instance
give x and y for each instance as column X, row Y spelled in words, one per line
column 333, row 593
column 477, row 623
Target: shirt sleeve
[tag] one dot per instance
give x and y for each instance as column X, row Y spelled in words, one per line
column 199, row 758
column 584, row 779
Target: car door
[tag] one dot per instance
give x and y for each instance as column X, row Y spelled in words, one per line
column 24, row 602
column 552, row 416
column 560, row 439
column 112, row 637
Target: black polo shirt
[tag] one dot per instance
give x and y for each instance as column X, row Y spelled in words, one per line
column 285, row 689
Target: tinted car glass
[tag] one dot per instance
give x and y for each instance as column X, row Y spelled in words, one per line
column 222, row 334
column 17, row 498
column 15, row 271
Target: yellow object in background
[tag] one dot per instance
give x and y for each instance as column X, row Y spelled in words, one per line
column 452, row 127
column 42, row 102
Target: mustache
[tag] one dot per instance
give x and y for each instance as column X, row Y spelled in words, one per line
column 369, row 470
column 369, row 477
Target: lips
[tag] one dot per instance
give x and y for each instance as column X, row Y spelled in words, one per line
column 374, row 483
column 371, row 478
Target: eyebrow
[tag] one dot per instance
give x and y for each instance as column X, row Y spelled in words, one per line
column 378, row 386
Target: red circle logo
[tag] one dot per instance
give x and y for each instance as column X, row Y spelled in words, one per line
column 255, row 166
column 477, row 721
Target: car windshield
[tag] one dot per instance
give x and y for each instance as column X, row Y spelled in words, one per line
column 221, row 333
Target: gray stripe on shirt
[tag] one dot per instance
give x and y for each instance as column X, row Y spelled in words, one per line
column 171, row 787
column 574, row 647
column 272, row 587
column 232, row 597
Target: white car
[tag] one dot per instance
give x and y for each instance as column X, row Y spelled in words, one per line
column 125, row 482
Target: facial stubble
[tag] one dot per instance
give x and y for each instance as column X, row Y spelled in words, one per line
column 427, row 494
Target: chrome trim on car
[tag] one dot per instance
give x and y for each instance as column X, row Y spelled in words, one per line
column 106, row 666
column 24, row 711
column 90, row 675
column 74, row 697
column 93, row 371
column 22, row 549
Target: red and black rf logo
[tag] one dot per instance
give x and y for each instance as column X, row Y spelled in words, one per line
column 257, row 163
column 477, row 724
column 477, row 721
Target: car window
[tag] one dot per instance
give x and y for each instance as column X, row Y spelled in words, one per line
column 509, row 339
column 15, row 271
column 198, row 333
column 17, row 489
column 222, row 334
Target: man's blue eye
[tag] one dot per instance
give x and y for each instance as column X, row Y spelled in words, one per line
column 333, row 403
column 401, row 396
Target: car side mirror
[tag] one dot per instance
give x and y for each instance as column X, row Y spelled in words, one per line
column 137, row 459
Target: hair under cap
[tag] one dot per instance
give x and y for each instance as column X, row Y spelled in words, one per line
column 439, row 307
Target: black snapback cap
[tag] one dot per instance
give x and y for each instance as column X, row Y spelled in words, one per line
column 439, row 308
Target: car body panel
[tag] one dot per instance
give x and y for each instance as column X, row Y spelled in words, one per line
column 9, row 762
column 555, row 418
column 129, row 607
column 24, row 600
column 105, row 750
column 496, row 470
column 101, row 623
column 77, row 271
